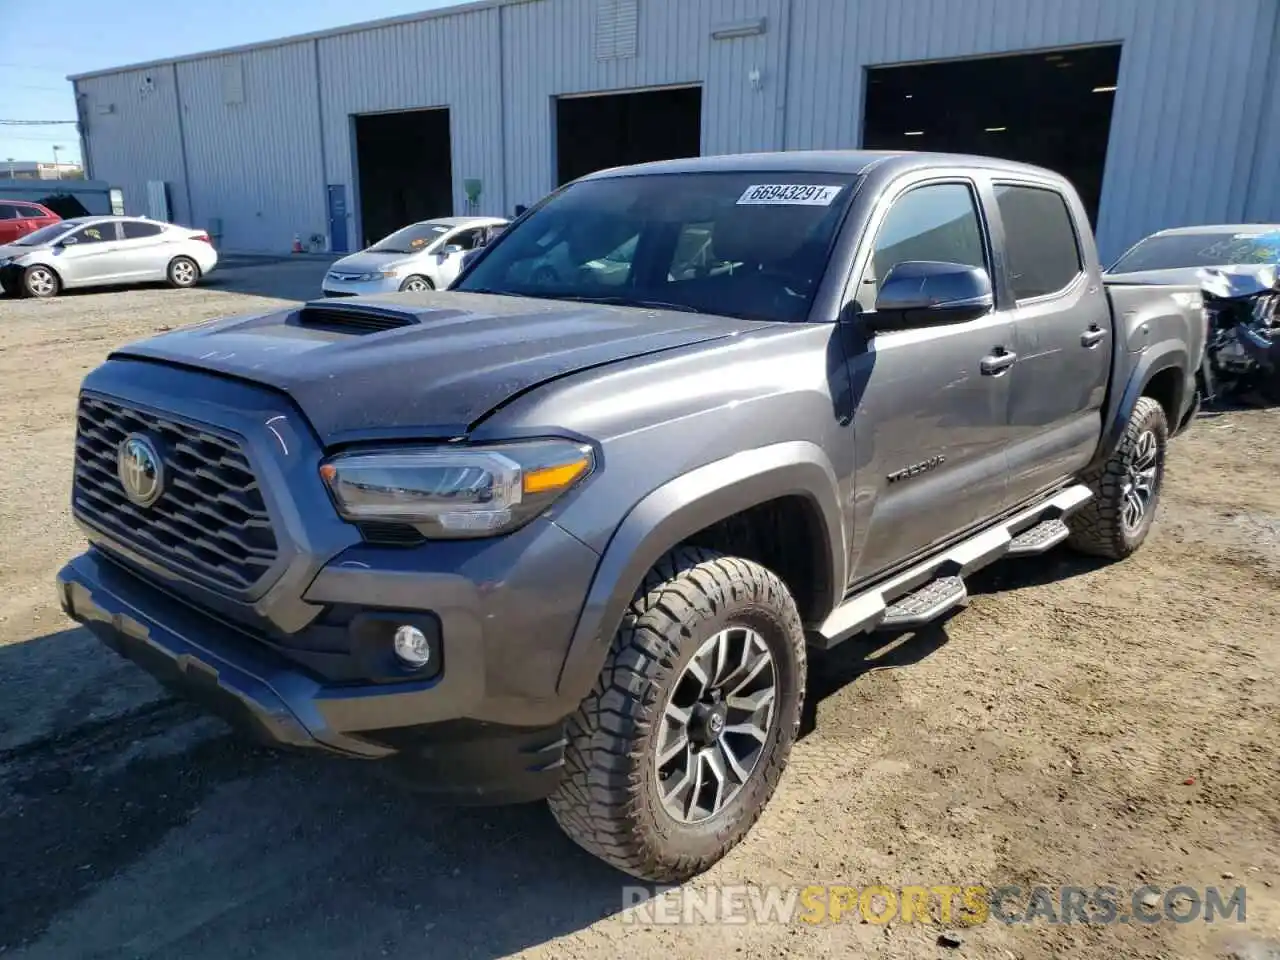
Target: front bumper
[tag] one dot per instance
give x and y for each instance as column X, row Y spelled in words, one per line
column 264, row 694
column 288, row 658
column 332, row 287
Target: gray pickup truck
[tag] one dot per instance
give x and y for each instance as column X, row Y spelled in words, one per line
column 568, row 529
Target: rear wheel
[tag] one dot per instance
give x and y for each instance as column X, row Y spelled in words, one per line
column 41, row 282
column 183, row 272
column 675, row 752
column 1126, row 488
column 416, row 284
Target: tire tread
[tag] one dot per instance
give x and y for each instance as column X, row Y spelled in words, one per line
column 598, row 799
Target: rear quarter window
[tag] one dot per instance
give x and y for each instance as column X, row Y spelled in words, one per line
column 1041, row 247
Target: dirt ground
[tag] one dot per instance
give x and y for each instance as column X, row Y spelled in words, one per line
column 1076, row 725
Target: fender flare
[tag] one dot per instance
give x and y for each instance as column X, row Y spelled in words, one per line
column 1152, row 361
column 683, row 506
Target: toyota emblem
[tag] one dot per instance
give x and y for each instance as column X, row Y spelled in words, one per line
column 140, row 469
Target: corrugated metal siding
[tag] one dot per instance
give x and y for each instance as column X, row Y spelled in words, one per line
column 445, row 62
column 1262, row 203
column 1184, row 113
column 549, row 51
column 139, row 140
column 255, row 164
column 1195, row 132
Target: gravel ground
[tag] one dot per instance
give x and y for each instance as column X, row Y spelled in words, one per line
column 1078, row 724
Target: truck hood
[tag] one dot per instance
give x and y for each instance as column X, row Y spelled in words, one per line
column 423, row 365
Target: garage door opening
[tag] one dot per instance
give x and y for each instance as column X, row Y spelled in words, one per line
column 611, row 130
column 1052, row 109
column 405, row 170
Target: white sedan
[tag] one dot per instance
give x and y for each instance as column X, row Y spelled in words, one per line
column 97, row 251
column 422, row 256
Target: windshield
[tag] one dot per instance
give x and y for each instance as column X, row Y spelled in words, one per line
column 1176, row 250
column 749, row 245
column 414, row 238
column 45, row 234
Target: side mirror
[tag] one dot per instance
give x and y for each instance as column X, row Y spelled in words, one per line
column 923, row 293
column 451, row 249
column 67, row 241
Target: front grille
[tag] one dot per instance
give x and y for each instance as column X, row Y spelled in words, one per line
column 210, row 521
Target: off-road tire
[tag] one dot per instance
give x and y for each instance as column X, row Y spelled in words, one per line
column 182, row 273
column 1097, row 528
column 608, row 801
column 32, row 288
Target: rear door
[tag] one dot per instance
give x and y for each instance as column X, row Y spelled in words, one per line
column 33, row 217
column 143, row 252
column 931, row 418
column 1062, row 333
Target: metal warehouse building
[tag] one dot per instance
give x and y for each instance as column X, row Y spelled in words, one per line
column 1164, row 112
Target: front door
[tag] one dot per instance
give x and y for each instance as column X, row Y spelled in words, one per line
column 930, row 426
column 449, row 260
column 1063, row 336
column 88, row 255
column 11, row 225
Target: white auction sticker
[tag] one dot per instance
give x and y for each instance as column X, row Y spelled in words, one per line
column 799, row 194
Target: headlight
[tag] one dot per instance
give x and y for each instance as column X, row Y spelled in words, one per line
column 451, row 492
column 380, row 275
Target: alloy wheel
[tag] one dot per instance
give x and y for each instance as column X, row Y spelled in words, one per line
column 716, row 724
column 184, row 273
column 41, row 282
column 1140, row 480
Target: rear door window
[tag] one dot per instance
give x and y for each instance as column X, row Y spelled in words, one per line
column 136, row 231
column 9, row 212
column 1041, row 248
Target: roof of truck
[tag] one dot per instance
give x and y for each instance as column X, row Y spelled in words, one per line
column 821, row 161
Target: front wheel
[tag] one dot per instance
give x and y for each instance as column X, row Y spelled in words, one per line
column 40, row 282
column 1126, row 488
column 674, row 754
column 416, row 284
column 183, row 272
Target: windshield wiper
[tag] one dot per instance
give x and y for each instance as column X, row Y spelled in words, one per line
column 628, row 302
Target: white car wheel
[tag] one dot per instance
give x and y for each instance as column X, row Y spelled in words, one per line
column 40, row 282
column 183, row 272
column 416, row 284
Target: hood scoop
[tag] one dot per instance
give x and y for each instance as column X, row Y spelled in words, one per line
column 361, row 319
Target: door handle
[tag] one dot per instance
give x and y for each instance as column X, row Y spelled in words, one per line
column 997, row 363
column 1092, row 337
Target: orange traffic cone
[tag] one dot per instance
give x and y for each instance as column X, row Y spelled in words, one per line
column 297, row 243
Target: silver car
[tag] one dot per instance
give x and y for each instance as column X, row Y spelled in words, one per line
column 93, row 251
column 427, row 255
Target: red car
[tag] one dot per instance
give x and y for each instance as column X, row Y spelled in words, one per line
column 20, row 217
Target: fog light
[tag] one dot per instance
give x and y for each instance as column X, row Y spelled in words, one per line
column 412, row 647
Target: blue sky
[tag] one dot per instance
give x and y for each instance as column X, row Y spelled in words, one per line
column 44, row 44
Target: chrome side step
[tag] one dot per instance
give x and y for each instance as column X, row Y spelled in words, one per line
column 932, row 600
column 936, row 585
